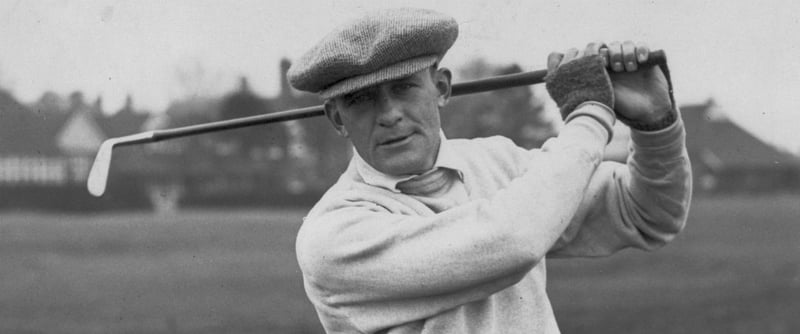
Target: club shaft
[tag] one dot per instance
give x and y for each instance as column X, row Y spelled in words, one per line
column 236, row 123
column 469, row 87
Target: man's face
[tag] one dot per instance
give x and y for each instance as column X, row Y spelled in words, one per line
column 395, row 125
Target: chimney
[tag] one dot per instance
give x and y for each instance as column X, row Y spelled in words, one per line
column 128, row 104
column 286, row 89
column 98, row 106
column 76, row 101
column 244, row 85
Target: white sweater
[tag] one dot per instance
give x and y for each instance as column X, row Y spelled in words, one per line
column 376, row 260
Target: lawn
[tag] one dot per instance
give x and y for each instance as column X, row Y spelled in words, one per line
column 194, row 272
column 735, row 269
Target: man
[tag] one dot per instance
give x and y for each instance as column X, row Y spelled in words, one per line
column 422, row 234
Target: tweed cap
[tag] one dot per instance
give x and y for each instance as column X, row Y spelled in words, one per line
column 378, row 47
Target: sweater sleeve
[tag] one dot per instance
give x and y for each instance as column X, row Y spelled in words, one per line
column 643, row 203
column 368, row 262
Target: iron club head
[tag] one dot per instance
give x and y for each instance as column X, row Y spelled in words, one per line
column 98, row 175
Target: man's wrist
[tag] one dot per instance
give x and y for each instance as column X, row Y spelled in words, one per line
column 667, row 139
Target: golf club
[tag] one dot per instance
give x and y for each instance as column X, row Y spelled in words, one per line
column 98, row 175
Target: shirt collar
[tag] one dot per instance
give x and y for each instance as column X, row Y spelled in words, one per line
column 445, row 158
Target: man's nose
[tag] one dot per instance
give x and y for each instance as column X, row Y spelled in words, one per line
column 390, row 111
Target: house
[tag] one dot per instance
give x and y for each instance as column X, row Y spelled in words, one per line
column 43, row 148
column 46, row 150
column 727, row 158
column 272, row 164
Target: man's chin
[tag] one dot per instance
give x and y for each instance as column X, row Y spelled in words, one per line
column 399, row 166
column 407, row 157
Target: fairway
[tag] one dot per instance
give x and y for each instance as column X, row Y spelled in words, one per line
column 194, row 272
column 735, row 269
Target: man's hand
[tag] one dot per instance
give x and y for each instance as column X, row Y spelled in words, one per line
column 642, row 95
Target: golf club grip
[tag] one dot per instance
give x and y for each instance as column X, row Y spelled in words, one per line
column 656, row 57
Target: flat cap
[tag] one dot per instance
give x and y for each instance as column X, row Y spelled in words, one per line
column 378, row 47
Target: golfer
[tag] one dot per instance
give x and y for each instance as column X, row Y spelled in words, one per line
column 425, row 234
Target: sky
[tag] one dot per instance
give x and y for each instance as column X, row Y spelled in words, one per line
column 743, row 54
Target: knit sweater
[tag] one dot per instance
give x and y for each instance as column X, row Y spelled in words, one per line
column 376, row 260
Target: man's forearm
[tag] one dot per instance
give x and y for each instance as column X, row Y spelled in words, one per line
column 661, row 180
column 640, row 204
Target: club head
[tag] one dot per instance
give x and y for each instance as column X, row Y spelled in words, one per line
column 98, row 175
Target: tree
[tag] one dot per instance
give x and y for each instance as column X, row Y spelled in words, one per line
column 252, row 141
column 515, row 112
column 317, row 154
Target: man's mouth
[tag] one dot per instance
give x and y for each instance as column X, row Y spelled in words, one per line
column 395, row 140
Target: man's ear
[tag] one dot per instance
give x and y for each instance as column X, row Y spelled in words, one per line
column 442, row 80
column 332, row 112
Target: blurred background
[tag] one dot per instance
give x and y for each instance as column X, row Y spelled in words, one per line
column 196, row 235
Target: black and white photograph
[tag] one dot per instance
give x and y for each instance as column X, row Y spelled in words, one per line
column 355, row 166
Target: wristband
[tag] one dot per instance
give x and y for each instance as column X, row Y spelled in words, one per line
column 586, row 109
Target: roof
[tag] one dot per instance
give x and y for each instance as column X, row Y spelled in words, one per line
column 27, row 131
column 32, row 130
column 719, row 141
column 123, row 123
column 80, row 135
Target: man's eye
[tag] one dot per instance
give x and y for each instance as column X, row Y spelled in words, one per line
column 356, row 99
column 402, row 87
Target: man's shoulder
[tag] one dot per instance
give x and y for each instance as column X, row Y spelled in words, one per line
column 351, row 192
column 488, row 151
column 338, row 193
column 493, row 142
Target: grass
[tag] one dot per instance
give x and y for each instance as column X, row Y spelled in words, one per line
column 197, row 272
column 735, row 269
